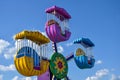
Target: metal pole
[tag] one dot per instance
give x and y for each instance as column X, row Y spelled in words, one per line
column 54, row 45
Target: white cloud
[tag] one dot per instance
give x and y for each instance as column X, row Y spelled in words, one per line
column 114, row 77
column 98, row 62
column 34, row 78
column 99, row 74
column 15, row 78
column 60, row 49
column 6, row 49
column 1, row 77
column 3, row 45
column 27, row 78
column 69, row 44
column 7, row 68
column 9, row 53
column 24, row 78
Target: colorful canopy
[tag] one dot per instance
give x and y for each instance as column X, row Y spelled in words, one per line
column 34, row 36
column 84, row 42
column 60, row 11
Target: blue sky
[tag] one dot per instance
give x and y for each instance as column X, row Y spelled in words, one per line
column 98, row 20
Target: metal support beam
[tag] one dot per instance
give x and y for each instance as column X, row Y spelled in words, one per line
column 69, row 57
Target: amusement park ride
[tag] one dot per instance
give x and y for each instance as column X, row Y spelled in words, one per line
column 31, row 57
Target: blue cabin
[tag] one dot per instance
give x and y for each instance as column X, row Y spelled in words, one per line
column 83, row 63
column 86, row 60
